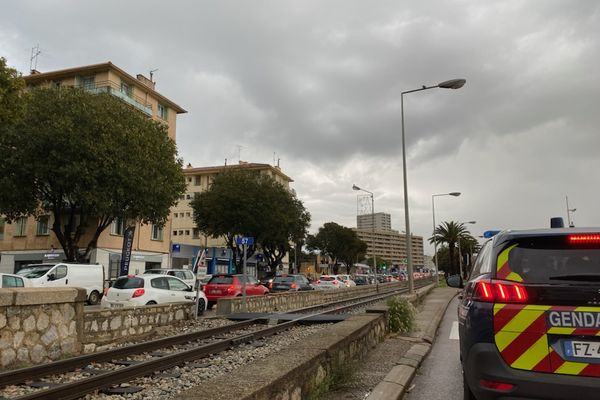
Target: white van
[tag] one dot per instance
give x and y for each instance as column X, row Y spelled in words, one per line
column 87, row 276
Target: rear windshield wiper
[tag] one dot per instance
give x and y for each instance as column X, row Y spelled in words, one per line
column 577, row 277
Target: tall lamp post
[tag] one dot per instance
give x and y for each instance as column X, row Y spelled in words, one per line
column 354, row 187
column 451, row 84
column 435, row 260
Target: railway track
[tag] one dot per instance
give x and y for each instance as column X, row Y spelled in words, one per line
column 103, row 370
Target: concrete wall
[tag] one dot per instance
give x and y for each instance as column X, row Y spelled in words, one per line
column 291, row 301
column 116, row 325
column 39, row 325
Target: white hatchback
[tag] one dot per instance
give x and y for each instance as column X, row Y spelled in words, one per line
column 329, row 282
column 347, row 280
column 148, row 289
column 13, row 281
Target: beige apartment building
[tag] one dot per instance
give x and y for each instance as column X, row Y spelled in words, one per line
column 391, row 246
column 188, row 240
column 28, row 240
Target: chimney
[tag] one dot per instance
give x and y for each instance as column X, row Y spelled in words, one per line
column 145, row 81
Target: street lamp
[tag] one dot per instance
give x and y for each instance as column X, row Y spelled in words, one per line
column 435, row 260
column 354, row 187
column 451, row 84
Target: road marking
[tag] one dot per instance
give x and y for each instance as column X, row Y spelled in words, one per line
column 454, row 331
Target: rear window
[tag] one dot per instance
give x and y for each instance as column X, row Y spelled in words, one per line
column 549, row 260
column 221, row 280
column 328, row 278
column 285, row 279
column 129, row 283
column 155, row 271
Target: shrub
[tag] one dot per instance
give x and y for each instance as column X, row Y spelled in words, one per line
column 401, row 315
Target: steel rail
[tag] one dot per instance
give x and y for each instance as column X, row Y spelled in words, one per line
column 76, row 389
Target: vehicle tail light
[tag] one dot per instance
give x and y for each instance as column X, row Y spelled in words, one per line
column 335, row 282
column 270, row 285
column 582, row 239
column 499, row 386
column 318, row 281
column 230, row 290
column 500, row 291
column 293, row 286
column 138, row 293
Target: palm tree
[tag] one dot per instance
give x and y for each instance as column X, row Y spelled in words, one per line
column 468, row 246
column 449, row 233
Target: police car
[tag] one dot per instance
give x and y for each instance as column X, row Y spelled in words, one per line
column 529, row 316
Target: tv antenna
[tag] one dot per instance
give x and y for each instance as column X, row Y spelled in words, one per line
column 35, row 52
column 152, row 71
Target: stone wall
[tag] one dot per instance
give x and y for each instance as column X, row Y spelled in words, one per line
column 116, row 325
column 39, row 325
column 288, row 301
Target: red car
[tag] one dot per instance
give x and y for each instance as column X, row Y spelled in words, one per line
column 222, row 286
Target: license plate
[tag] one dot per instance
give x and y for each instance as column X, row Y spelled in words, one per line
column 116, row 305
column 582, row 349
column 214, row 291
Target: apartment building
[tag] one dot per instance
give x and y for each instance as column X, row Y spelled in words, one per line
column 391, row 246
column 382, row 221
column 28, row 240
column 188, row 240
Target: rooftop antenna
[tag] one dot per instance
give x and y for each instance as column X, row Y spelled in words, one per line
column 35, row 52
column 278, row 159
column 569, row 213
column 152, row 71
column 225, row 162
column 240, row 147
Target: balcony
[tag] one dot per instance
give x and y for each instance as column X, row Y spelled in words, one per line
column 115, row 89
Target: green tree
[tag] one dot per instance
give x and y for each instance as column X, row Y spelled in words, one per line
column 449, row 233
column 338, row 243
column 249, row 203
column 87, row 159
column 12, row 98
column 468, row 246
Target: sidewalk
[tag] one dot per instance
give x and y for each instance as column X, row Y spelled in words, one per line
column 387, row 371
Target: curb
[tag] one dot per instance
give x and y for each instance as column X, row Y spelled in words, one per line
column 397, row 382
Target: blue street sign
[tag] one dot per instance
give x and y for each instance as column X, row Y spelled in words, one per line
column 243, row 240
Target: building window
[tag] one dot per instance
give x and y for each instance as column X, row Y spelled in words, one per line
column 157, row 232
column 187, row 232
column 2, row 223
column 189, row 179
column 162, row 111
column 175, row 215
column 126, row 89
column 174, row 233
column 118, row 227
column 88, row 82
column 181, row 233
column 20, row 227
column 187, row 214
column 43, row 225
column 196, row 233
column 197, row 180
column 188, row 196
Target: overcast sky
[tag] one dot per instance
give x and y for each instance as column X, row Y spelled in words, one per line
column 316, row 85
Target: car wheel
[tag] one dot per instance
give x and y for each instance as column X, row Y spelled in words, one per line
column 150, row 303
column 94, row 298
column 201, row 307
column 467, row 394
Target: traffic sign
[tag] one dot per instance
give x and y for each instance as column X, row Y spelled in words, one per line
column 244, row 240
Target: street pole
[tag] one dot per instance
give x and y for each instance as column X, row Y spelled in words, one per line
column 354, row 187
column 451, row 84
column 244, row 283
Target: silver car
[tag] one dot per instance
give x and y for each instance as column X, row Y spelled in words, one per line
column 329, row 282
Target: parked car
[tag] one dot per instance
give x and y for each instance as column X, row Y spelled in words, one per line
column 13, row 281
column 294, row 283
column 203, row 281
column 348, row 282
column 184, row 274
column 230, row 285
column 87, row 276
column 363, row 279
column 529, row 316
column 329, row 282
column 150, row 289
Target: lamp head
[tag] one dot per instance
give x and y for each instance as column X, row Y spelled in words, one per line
column 455, row 194
column 471, row 222
column 354, row 187
column 453, row 84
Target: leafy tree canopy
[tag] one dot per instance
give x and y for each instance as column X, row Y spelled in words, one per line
column 338, row 242
column 11, row 95
column 249, row 203
column 87, row 159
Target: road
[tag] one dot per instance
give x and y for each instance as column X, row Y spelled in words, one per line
column 440, row 376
